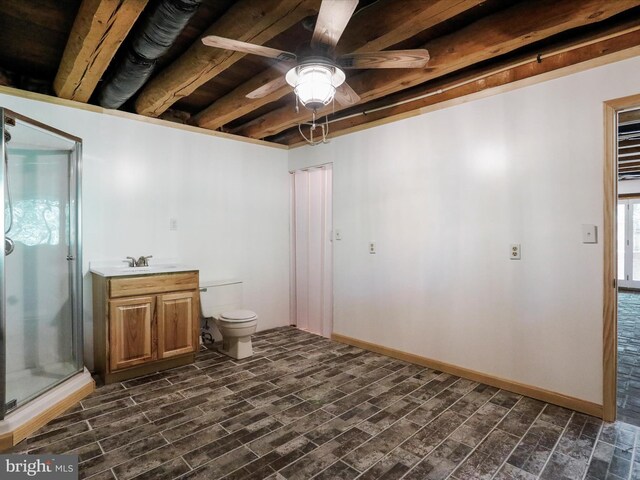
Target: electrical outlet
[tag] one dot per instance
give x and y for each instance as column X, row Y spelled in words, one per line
column 372, row 248
column 515, row 251
column 338, row 234
column 173, row 224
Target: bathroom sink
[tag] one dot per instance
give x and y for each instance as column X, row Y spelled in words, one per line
column 135, row 269
column 115, row 271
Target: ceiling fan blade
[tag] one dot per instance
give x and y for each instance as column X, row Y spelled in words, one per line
column 332, row 20
column 345, row 95
column 417, row 58
column 267, row 88
column 244, row 47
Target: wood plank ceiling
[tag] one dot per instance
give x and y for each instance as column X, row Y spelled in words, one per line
column 70, row 48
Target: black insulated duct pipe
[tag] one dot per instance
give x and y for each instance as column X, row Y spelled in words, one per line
column 157, row 32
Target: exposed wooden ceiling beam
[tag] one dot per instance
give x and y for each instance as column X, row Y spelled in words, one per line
column 630, row 165
column 99, row 29
column 379, row 26
column 254, row 21
column 491, row 36
column 622, row 151
column 616, row 43
column 630, row 116
column 624, row 161
column 629, row 143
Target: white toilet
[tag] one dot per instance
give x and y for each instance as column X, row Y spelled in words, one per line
column 222, row 300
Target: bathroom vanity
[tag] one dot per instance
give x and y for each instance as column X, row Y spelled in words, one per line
column 144, row 322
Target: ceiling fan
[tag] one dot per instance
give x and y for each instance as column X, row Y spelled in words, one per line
column 315, row 73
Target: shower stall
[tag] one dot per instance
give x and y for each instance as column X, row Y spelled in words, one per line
column 40, row 271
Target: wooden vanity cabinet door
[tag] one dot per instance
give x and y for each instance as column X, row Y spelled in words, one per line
column 131, row 332
column 178, row 315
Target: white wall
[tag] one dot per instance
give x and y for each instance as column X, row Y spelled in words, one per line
column 231, row 200
column 444, row 195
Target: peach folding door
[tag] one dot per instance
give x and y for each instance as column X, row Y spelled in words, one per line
column 312, row 303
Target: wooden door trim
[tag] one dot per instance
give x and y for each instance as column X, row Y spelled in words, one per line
column 610, row 304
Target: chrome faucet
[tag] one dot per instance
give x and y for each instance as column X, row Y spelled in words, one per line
column 143, row 261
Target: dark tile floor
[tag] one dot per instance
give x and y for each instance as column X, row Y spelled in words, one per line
column 629, row 357
column 306, row 407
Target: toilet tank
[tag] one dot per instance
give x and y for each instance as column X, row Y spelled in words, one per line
column 217, row 296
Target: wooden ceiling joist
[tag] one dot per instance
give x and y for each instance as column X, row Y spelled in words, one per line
column 630, row 116
column 488, row 37
column 254, row 21
column 630, row 165
column 625, row 150
column 375, row 28
column 616, row 43
column 623, row 159
column 98, row 31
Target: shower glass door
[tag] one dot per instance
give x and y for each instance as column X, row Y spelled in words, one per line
column 42, row 291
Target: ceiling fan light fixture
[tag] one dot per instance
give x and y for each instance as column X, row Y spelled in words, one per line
column 315, row 83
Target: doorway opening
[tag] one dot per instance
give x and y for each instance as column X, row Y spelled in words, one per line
column 628, row 265
column 312, row 256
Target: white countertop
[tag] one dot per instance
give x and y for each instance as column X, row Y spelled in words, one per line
column 119, row 269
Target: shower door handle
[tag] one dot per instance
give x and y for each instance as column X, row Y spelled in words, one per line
column 8, row 246
column 70, row 257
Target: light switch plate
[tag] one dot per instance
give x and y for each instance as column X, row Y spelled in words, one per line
column 338, row 234
column 514, row 253
column 589, row 234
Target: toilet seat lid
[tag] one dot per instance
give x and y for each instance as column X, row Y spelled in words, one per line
column 238, row 315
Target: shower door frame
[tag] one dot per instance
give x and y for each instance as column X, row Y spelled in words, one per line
column 74, row 253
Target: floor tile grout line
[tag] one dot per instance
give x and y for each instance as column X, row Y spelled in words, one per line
column 186, row 463
column 445, row 439
column 553, row 450
column 100, row 447
column 521, row 438
column 364, row 420
column 387, row 382
column 431, row 421
column 495, row 427
column 112, row 467
column 91, row 428
column 333, row 438
column 595, row 445
column 328, row 467
column 107, row 413
column 96, row 416
column 633, row 454
column 397, row 420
